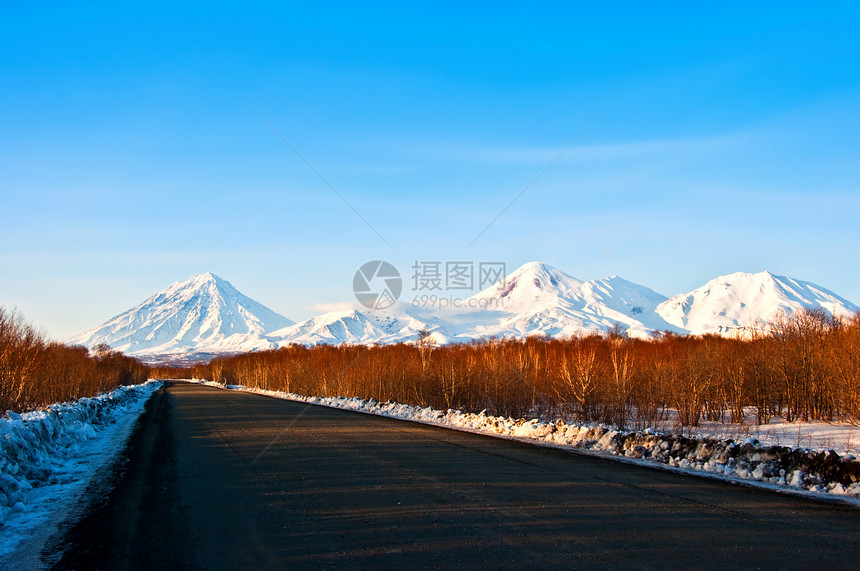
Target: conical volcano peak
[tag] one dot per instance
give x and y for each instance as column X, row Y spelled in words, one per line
column 530, row 281
column 203, row 313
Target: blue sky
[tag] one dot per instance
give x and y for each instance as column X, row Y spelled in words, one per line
column 132, row 152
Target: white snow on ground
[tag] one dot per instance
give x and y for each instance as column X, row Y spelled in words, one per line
column 841, row 437
column 48, row 458
column 817, row 473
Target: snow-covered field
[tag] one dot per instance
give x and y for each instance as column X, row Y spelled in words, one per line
column 768, row 459
column 840, row 437
column 49, row 457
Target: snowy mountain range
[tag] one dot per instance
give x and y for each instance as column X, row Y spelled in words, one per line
column 205, row 315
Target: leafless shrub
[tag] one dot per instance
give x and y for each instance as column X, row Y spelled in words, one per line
column 35, row 372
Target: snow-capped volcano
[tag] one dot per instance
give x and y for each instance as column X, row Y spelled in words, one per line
column 203, row 314
column 530, row 285
column 538, row 299
column 740, row 300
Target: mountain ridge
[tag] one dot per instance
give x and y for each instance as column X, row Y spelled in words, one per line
column 204, row 312
column 739, row 300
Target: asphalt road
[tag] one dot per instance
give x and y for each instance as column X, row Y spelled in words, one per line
column 227, row 480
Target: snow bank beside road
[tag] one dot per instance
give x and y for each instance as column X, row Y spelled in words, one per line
column 48, row 456
column 781, row 467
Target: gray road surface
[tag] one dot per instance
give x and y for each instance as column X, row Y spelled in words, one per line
column 229, row 480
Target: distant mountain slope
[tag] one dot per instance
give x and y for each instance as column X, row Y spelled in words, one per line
column 735, row 301
column 538, row 299
column 202, row 314
column 352, row 326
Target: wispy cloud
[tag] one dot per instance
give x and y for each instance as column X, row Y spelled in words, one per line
column 337, row 306
column 648, row 149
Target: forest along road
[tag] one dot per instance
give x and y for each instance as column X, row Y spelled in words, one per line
column 225, row 480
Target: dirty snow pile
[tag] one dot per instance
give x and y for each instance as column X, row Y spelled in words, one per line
column 47, row 456
column 781, row 467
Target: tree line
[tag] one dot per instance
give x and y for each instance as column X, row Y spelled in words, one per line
column 35, row 372
column 804, row 366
